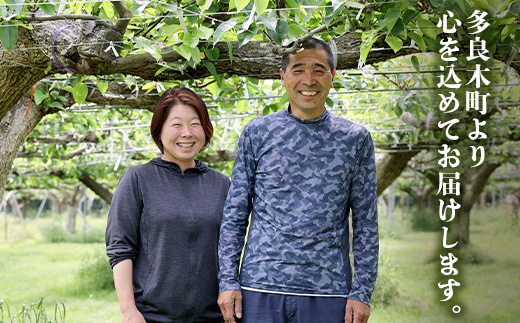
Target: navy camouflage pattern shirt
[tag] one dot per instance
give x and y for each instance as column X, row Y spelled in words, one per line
column 299, row 179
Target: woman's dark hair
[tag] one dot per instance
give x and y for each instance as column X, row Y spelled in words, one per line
column 171, row 98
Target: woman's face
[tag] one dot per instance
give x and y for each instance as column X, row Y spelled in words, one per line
column 182, row 136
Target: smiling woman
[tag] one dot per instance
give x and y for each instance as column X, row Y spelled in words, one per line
column 161, row 236
column 181, row 126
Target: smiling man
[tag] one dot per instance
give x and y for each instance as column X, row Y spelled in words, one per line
column 299, row 173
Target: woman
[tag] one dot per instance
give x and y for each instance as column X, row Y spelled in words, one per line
column 164, row 221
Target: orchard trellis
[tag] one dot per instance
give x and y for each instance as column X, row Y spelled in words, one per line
column 223, row 50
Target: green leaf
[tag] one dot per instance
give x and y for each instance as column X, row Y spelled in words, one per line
column 109, row 9
column 482, row 5
column 295, row 30
column 8, row 35
column 213, row 88
column 266, row 110
column 56, row 104
column 48, row 8
column 184, row 50
column 80, row 92
column 415, row 63
column 507, row 31
column 366, row 45
column 353, row 4
column 18, row 8
column 390, row 19
column 398, row 28
column 242, row 106
column 261, row 5
column 329, row 102
column 195, row 54
column 418, row 40
column 340, row 4
column 162, row 69
column 148, row 87
column 268, row 21
column 40, row 95
column 204, row 32
column 155, row 51
column 241, row 4
column 211, row 68
column 190, row 40
column 408, row 16
column 508, row 4
column 221, row 29
column 427, row 27
column 245, row 37
column 336, row 4
column 102, row 86
column 201, row 3
column 278, row 35
column 212, row 54
column 395, row 42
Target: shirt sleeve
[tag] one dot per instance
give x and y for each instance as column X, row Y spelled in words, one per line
column 238, row 206
column 365, row 244
column 122, row 233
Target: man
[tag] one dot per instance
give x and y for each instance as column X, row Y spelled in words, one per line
column 299, row 172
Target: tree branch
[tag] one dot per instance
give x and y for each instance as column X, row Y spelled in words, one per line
column 390, row 167
column 124, row 16
column 96, row 187
column 61, row 17
column 476, row 188
column 278, row 50
column 37, row 154
column 411, row 192
column 89, row 137
column 424, row 124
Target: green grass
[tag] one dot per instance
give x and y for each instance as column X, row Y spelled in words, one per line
column 490, row 292
column 32, row 269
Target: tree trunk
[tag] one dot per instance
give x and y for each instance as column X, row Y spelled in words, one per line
column 14, row 128
column 25, row 206
column 460, row 226
column 17, row 79
column 471, row 189
column 72, row 207
column 56, row 205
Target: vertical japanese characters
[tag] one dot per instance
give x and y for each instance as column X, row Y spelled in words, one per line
column 449, row 185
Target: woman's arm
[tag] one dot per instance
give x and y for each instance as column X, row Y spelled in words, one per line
column 125, row 292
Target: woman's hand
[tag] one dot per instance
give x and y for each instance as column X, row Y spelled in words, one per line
column 133, row 316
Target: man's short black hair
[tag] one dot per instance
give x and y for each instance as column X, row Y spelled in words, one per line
column 310, row 43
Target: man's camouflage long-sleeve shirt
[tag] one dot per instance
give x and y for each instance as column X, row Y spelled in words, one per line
column 299, row 179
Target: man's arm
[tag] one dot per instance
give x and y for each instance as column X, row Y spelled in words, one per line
column 237, row 208
column 365, row 244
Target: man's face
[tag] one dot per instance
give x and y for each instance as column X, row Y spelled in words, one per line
column 308, row 80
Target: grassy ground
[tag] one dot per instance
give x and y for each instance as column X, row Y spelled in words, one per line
column 31, row 269
column 490, row 292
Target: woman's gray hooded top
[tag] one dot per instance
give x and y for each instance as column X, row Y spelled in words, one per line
column 167, row 222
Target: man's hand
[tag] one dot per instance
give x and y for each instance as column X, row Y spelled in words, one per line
column 356, row 312
column 230, row 303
